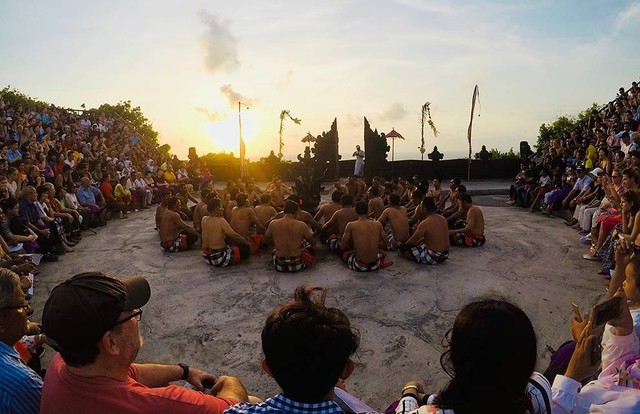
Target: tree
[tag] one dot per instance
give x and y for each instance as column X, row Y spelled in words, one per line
column 564, row 123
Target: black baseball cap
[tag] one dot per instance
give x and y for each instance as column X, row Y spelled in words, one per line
column 82, row 309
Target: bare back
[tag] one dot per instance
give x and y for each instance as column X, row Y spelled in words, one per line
column 327, row 211
column 288, row 235
column 241, row 220
column 343, row 217
column 365, row 236
column 170, row 226
column 475, row 221
column 214, row 232
column 433, row 231
column 398, row 222
column 265, row 212
column 377, row 206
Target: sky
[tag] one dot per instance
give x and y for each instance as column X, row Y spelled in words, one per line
column 187, row 64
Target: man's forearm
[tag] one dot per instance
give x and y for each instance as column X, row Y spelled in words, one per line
column 158, row 375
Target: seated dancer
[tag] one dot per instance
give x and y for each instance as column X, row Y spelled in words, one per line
column 200, row 209
column 265, row 211
column 215, row 231
column 294, row 243
column 472, row 234
column 242, row 218
column 429, row 244
column 175, row 234
column 325, row 212
column 398, row 221
column 340, row 219
column 365, row 236
column 376, row 205
column 301, row 215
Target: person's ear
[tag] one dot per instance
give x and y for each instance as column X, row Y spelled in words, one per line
column 109, row 343
column 265, row 367
column 347, row 370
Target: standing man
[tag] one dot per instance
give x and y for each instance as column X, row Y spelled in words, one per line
column 20, row 386
column 294, row 243
column 359, row 168
column 95, row 370
column 365, row 237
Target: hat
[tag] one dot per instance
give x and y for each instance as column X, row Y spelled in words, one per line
column 82, row 309
column 597, row 171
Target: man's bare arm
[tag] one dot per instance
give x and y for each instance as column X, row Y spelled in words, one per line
column 331, row 222
column 308, row 236
column 268, row 235
column 259, row 227
column 345, row 240
column 383, row 217
column 319, row 213
column 417, row 235
column 232, row 234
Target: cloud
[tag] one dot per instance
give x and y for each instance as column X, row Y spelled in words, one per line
column 212, row 116
column 221, row 46
column 395, row 112
column 352, row 121
column 285, row 79
column 627, row 18
column 234, row 97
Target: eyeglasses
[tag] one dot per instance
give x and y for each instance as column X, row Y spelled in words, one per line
column 137, row 314
column 24, row 305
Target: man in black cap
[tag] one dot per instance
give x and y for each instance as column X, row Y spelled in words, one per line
column 93, row 320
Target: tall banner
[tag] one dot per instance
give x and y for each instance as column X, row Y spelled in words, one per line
column 476, row 95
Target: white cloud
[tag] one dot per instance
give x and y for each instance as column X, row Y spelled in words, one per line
column 234, row 97
column 221, row 46
column 628, row 17
column 212, row 116
column 395, row 112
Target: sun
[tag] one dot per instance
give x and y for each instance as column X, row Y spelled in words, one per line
column 224, row 135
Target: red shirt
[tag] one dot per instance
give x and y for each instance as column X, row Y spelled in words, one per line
column 65, row 393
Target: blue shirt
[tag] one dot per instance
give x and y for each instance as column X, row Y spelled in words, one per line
column 20, row 386
column 281, row 404
column 87, row 195
column 13, row 156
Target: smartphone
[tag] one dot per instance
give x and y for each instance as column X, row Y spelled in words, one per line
column 576, row 312
column 605, row 311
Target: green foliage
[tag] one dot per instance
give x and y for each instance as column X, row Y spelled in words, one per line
column 133, row 117
column 498, row 155
column 564, row 123
column 19, row 98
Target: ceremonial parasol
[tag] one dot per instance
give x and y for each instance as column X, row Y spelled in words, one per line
column 308, row 139
column 393, row 135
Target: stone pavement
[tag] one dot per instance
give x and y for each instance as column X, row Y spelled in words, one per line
column 212, row 318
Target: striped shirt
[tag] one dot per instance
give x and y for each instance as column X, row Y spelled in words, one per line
column 20, row 386
column 281, row 404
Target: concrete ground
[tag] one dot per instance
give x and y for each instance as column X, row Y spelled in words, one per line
column 211, row 318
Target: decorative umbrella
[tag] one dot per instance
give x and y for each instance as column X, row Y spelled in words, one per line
column 393, row 135
column 308, row 139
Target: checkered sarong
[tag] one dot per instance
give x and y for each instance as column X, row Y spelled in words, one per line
column 423, row 255
column 219, row 257
column 472, row 240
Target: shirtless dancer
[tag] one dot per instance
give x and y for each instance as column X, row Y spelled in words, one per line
column 326, row 211
column 215, row 232
column 301, row 215
column 376, row 205
column 365, row 236
column 398, row 221
column 175, row 234
column 340, row 219
column 472, row 235
column 294, row 243
column 200, row 209
column 243, row 217
column 278, row 192
column 429, row 244
column 265, row 211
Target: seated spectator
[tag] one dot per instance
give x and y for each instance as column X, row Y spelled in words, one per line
column 113, row 205
column 492, row 341
column 307, row 348
column 21, row 386
column 48, row 240
column 123, row 195
column 95, row 370
column 142, row 195
column 90, row 198
column 361, row 242
column 615, row 389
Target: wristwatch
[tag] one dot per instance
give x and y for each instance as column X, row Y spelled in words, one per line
column 185, row 371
